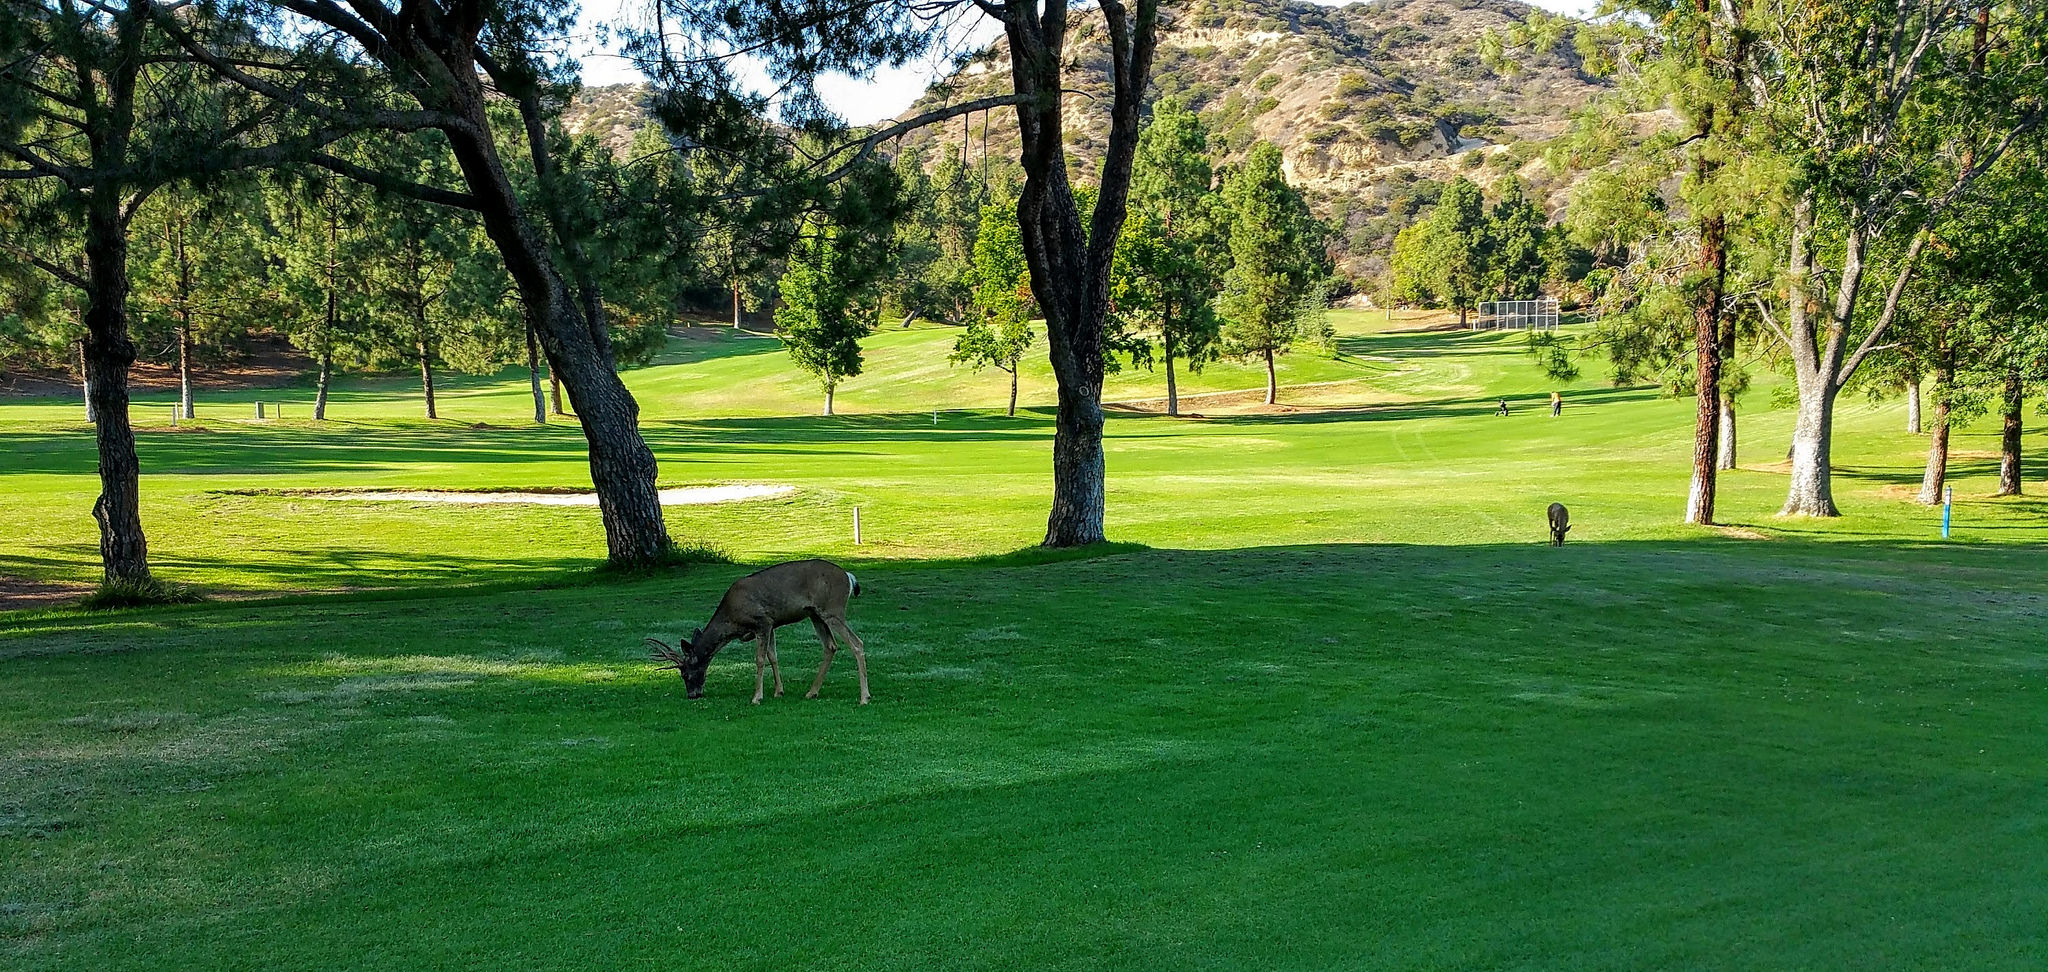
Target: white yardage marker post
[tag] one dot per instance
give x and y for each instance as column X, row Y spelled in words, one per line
column 856, row 526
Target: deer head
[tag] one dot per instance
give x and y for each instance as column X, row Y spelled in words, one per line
column 691, row 663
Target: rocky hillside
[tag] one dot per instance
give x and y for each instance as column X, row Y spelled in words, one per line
column 1373, row 105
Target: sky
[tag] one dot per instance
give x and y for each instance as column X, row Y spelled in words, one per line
column 859, row 100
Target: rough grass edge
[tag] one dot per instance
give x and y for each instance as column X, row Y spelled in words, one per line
column 118, row 594
column 678, row 556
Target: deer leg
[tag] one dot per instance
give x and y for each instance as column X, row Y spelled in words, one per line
column 860, row 657
column 760, row 669
column 825, row 639
column 774, row 663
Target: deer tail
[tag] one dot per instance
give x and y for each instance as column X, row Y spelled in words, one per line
column 853, row 583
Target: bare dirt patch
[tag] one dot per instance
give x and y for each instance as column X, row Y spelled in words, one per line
column 22, row 594
column 272, row 362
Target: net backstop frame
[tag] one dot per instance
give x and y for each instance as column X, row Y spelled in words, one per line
column 1516, row 315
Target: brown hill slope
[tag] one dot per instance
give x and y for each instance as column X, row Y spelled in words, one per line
column 1373, row 105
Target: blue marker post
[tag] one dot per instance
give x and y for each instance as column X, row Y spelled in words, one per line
column 1948, row 499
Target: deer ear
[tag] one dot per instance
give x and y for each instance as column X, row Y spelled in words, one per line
column 696, row 633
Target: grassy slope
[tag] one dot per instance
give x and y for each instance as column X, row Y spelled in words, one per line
column 1348, row 714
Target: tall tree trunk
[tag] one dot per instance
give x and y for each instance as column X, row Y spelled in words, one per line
column 1812, row 491
column 828, row 399
column 1013, row 389
column 184, row 365
column 1727, row 432
column 1172, row 392
column 320, row 395
column 540, row 402
column 1706, row 314
column 1070, row 262
column 735, row 306
column 2009, row 442
column 1272, row 380
column 555, row 391
column 1913, row 407
column 124, row 552
column 1936, row 475
column 1078, row 471
column 427, row 377
column 1464, row 318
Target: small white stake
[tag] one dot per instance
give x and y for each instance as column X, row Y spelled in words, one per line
column 856, row 526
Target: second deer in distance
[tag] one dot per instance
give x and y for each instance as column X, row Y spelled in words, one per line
column 1560, row 524
column 759, row 603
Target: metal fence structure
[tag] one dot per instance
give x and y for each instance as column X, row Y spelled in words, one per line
column 1516, row 315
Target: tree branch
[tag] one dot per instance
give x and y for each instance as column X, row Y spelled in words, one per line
column 69, row 175
column 393, row 184
column 1891, row 304
column 46, row 266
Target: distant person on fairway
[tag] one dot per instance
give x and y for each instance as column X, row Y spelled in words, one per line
column 1503, row 407
column 1556, row 405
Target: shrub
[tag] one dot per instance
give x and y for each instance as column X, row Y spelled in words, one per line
column 112, row 595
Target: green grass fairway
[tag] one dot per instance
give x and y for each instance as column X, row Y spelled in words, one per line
column 1332, row 703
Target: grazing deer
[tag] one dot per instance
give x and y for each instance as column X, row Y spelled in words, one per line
column 1560, row 524
column 759, row 603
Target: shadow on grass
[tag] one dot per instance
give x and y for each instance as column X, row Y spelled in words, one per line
column 1622, row 565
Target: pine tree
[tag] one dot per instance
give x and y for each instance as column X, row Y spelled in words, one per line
column 1515, row 235
column 825, row 308
column 1173, row 252
column 318, row 251
column 196, row 260
column 1001, row 332
column 1442, row 260
column 1272, row 294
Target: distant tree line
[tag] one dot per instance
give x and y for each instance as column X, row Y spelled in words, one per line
column 1853, row 197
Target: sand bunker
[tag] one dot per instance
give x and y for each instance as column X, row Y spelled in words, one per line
column 681, row 496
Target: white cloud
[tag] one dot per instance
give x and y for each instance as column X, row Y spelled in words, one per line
column 860, row 100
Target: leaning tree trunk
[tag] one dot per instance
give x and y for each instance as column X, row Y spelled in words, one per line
column 1936, row 475
column 320, row 395
column 1913, row 407
column 622, row 468
column 1272, row 380
column 540, row 402
column 2009, row 442
column 1727, row 432
column 1013, row 389
column 124, row 552
column 1811, row 492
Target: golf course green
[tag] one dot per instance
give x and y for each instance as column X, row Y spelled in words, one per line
column 1329, row 701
